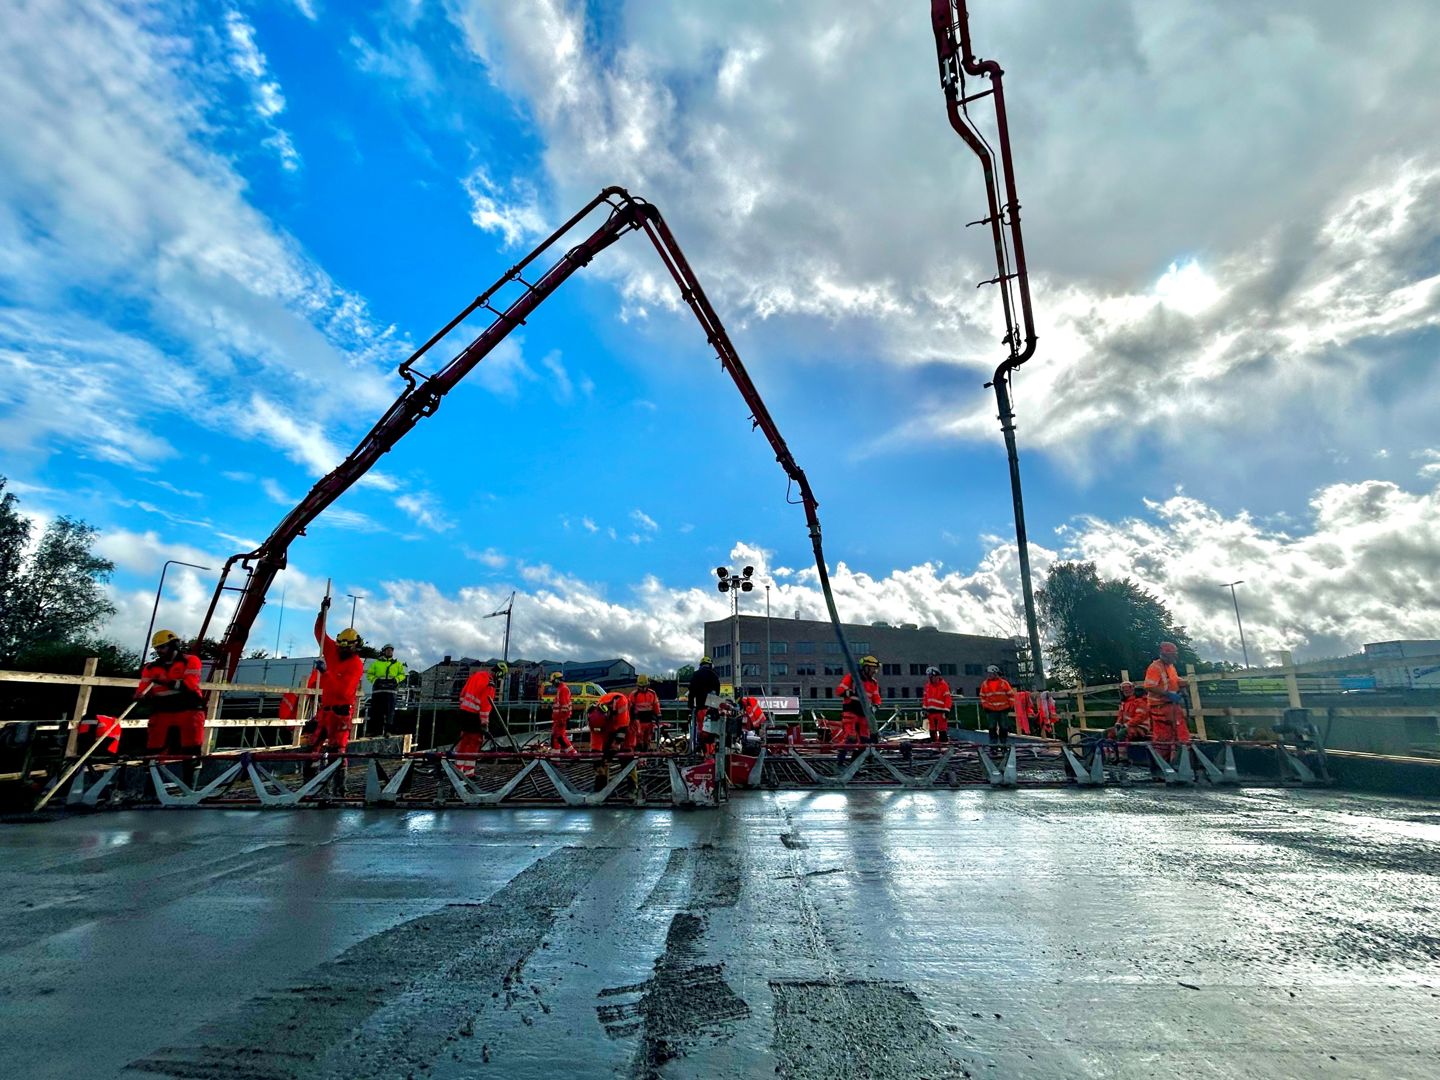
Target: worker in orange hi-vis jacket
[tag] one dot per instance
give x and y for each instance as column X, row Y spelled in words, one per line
column 1132, row 719
column 560, row 714
column 1164, row 695
column 609, row 719
column 644, row 715
column 937, row 700
column 1024, row 708
column 171, row 686
column 997, row 698
column 854, row 727
column 477, row 699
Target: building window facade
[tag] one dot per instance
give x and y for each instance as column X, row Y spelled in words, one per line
column 721, row 650
column 779, row 648
column 748, row 671
column 804, row 669
column 805, row 646
column 947, row 669
column 974, row 669
column 749, row 648
column 779, row 669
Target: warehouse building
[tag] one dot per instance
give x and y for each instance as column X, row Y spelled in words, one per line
column 801, row 658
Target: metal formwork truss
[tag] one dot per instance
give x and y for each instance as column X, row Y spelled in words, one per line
column 1023, row 763
column 262, row 780
column 428, row 780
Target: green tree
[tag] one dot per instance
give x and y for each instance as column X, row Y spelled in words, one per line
column 1098, row 627
column 55, row 593
column 685, row 674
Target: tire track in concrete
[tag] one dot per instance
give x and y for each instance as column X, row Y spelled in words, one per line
column 685, row 1003
column 389, row 1005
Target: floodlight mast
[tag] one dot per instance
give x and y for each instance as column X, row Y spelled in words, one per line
column 423, row 394
column 951, row 23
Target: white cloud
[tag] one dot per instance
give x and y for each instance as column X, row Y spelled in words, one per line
column 425, row 509
column 1283, row 265
column 112, row 187
column 644, row 520
column 513, row 213
column 275, row 493
column 590, row 526
column 489, row 557
column 265, row 93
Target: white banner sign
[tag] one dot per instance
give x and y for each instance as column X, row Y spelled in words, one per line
column 779, row 704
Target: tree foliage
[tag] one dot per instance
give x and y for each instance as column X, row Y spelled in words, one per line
column 54, row 593
column 1096, row 627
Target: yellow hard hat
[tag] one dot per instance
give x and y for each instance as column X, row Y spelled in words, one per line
column 164, row 637
column 555, row 676
column 348, row 637
column 501, row 668
column 704, row 660
column 642, row 680
column 870, row 661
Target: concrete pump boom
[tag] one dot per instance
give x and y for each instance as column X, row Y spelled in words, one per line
column 951, row 23
column 423, row 393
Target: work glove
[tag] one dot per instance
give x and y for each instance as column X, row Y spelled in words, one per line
column 320, row 666
column 1175, row 697
column 325, row 604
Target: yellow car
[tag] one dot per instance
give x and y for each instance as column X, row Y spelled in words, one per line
column 581, row 693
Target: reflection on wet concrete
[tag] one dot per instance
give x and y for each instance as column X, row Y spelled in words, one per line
column 1203, row 933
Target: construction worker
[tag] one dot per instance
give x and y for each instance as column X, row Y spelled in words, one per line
column 702, row 684
column 609, row 719
column 477, row 700
column 997, row 698
column 1163, row 686
column 386, row 675
column 339, row 690
column 644, row 715
column 171, row 685
column 854, row 727
column 1132, row 719
column 937, row 702
column 1024, row 707
column 560, row 714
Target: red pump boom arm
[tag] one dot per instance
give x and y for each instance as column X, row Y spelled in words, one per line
column 423, row 393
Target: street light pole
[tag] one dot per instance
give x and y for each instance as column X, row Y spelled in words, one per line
column 734, row 584
column 353, row 601
column 145, row 648
column 1238, row 625
column 505, row 651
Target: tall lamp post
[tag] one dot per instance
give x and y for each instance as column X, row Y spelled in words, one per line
column 145, row 648
column 354, row 599
column 734, row 584
column 1231, row 586
column 505, row 651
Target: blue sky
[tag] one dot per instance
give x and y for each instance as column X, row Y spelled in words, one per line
column 225, row 224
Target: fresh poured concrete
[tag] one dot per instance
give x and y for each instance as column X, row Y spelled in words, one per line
column 1050, row 933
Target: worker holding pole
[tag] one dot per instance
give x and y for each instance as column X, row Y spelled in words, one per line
column 339, row 687
column 1164, row 691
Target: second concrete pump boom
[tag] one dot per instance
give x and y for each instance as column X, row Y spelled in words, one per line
column 423, row 393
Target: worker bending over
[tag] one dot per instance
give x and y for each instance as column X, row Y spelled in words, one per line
column 560, row 714
column 644, row 715
column 937, row 703
column 854, row 727
column 609, row 719
column 997, row 698
column 1163, row 686
column 477, row 700
column 171, row 685
column 339, row 690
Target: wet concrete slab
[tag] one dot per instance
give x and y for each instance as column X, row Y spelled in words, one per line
column 1251, row 933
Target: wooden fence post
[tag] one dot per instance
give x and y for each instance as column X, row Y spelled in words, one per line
column 1195, row 709
column 212, row 710
column 82, row 705
column 1080, row 704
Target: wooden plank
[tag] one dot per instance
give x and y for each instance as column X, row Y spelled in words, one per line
column 82, row 705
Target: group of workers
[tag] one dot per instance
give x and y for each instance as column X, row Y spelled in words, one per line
column 1158, row 715
column 627, row 722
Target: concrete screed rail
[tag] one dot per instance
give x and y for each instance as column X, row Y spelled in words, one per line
column 1055, row 933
